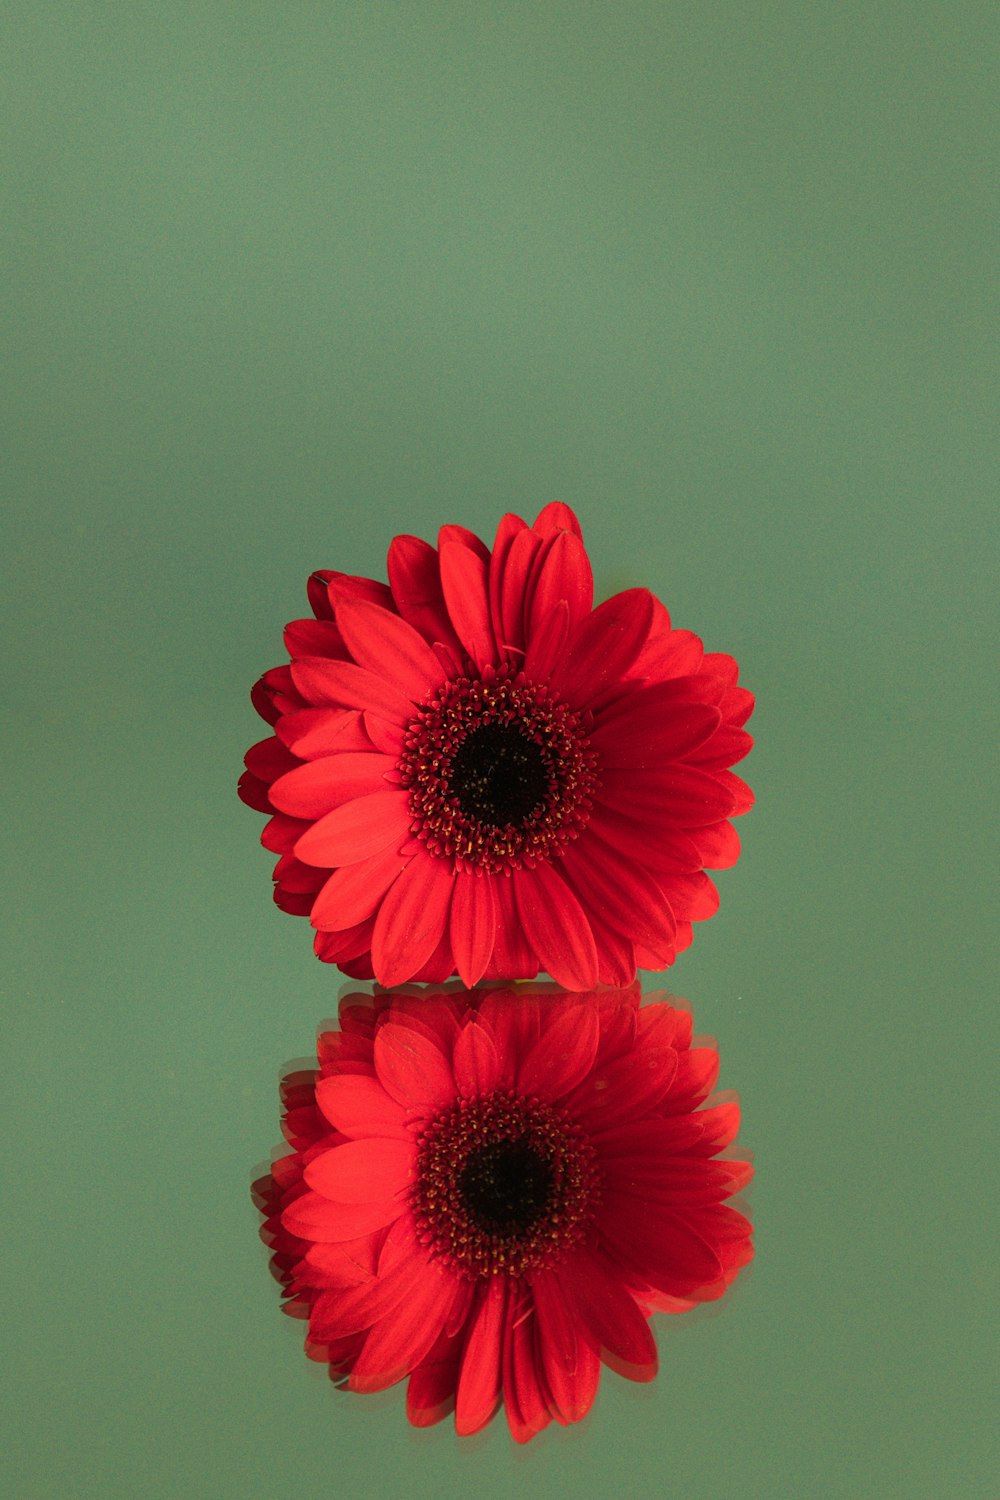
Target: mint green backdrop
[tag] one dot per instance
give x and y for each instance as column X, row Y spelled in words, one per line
column 284, row 279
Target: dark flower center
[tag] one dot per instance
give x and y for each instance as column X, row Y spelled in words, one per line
column 506, row 1185
column 499, row 772
column 498, row 775
column 503, row 1185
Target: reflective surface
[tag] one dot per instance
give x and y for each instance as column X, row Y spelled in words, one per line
column 287, row 281
column 489, row 1194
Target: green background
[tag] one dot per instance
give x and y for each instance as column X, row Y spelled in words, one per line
column 285, row 279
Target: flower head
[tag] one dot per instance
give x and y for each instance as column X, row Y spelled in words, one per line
column 475, row 771
column 489, row 1194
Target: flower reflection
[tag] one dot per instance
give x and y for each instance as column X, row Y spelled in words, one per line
column 490, row 1193
column 472, row 770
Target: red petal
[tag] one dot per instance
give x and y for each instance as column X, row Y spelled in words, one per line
column 674, row 794
column 605, row 646
column 475, row 1061
column 254, row 792
column 262, row 698
column 512, row 1017
column 743, row 797
column 665, row 1025
column 720, row 665
column 319, row 786
column 523, row 1397
column 718, row 845
column 677, row 653
column 662, row 1247
column 660, row 956
column 615, row 954
column 547, row 643
column 637, row 1163
column 334, row 1266
column 412, row 918
column 363, row 1171
column 416, row 587
column 719, row 1127
column 280, row 834
column 295, row 876
column 697, row 1183
column 343, row 586
column 676, row 692
column 357, row 830
column 557, row 1329
column 659, row 846
column 318, row 589
column 385, row 736
column 624, row 1089
column 609, row 1312
column 569, row 1362
column 513, row 586
column 721, row 1226
column 460, row 1309
column 694, row 898
column 464, row 579
column 358, row 1105
column 697, row 1071
column 626, row 897
column 269, row 759
column 556, row 927
column 436, row 1017
column 274, row 694
column 338, row 1312
column 479, row 1382
column 563, row 1054
column 737, row 705
column 340, row 683
column 389, row 647
column 353, row 892
column 473, row 924
column 312, row 732
column 513, row 957
column 507, row 530
column 725, row 747
column 461, row 536
column 440, row 965
column 562, row 572
column 555, row 517
column 313, row 638
column 645, row 732
column 411, row 1069
column 685, row 934
column 635, row 1143
column 313, row 1217
column 349, row 945
column 398, row 1343
column 296, row 903
column 430, row 1393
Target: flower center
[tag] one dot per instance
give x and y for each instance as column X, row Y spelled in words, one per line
column 498, row 775
column 503, row 1185
column 499, row 772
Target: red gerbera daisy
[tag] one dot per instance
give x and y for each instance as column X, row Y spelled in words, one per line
column 475, row 771
column 490, row 1194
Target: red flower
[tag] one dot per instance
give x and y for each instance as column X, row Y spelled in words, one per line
column 474, row 770
column 490, row 1194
